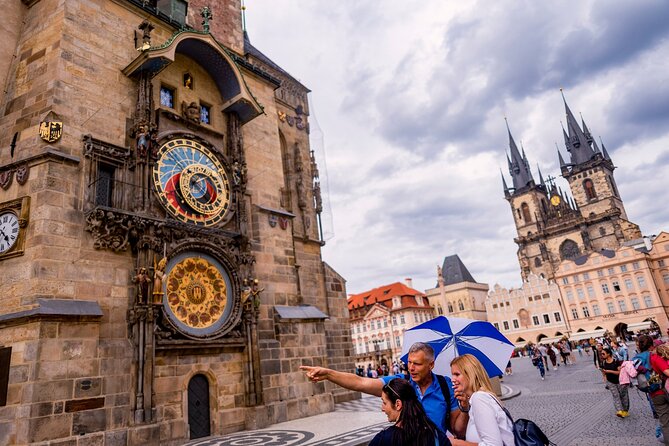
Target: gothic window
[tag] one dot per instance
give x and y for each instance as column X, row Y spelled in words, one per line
column 589, row 188
column 104, row 185
column 537, row 262
column 569, row 250
column 526, row 212
column 602, row 231
column 461, row 306
column 450, row 307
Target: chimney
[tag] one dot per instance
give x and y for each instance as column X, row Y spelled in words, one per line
column 408, row 282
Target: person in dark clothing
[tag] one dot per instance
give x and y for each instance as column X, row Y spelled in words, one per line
column 596, row 357
column 412, row 426
column 611, row 370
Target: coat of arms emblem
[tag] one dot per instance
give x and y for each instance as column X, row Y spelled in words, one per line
column 51, row 130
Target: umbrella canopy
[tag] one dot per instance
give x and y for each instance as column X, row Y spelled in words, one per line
column 454, row 336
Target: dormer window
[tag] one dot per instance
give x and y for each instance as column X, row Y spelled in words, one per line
column 397, row 302
column 419, row 300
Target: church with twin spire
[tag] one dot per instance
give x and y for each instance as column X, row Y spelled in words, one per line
column 554, row 224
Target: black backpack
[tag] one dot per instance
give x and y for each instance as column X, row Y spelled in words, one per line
column 446, row 391
column 526, row 432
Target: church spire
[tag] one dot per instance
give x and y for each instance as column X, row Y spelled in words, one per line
column 578, row 144
column 541, row 178
column 506, row 188
column 519, row 167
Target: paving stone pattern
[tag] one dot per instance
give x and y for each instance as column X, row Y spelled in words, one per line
column 573, row 407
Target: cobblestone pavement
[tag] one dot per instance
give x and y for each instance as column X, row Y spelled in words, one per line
column 573, row 407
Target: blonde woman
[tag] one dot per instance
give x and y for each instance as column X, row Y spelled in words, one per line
column 488, row 423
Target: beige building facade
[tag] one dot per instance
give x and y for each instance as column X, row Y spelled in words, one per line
column 162, row 277
column 620, row 290
column 530, row 314
column 457, row 293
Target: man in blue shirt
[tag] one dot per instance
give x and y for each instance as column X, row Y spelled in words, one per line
column 426, row 384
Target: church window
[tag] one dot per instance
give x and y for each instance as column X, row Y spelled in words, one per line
column 166, row 96
column 589, row 188
column 537, row 262
column 569, row 250
column 526, row 212
column 602, row 231
column 461, row 306
column 635, row 303
column 205, row 112
column 450, row 307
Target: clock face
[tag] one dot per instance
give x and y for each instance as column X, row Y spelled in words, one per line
column 9, row 231
column 555, row 200
column 191, row 182
column 197, row 294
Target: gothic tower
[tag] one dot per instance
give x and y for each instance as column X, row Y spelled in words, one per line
column 553, row 225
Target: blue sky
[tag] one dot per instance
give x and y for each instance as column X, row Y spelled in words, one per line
column 410, row 100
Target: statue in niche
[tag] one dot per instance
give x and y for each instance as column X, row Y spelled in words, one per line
column 191, row 112
column 158, row 279
column 142, row 142
column 142, row 280
column 301, row 201
column 188, row 81
column 318, row 200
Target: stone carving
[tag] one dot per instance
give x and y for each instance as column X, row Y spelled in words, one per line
column 6, row 178
column 158, row 279
column 318, row 200
column 142, row 280
column 206, row 17
column 301, row 198
column 96, row 148
column 22, row 174
column 190, row 112
column 110, row 230
column 146, row 27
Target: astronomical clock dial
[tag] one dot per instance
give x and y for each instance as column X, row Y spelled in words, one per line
column 555, row 200
column 9, row 230
column 197, row 294
column 191, row 182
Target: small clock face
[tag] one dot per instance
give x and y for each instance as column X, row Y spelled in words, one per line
column 191, row 182
column 555, row 200
column 9, row 231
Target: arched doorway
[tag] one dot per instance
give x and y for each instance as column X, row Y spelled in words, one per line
column 621, row 330
column 198, row 407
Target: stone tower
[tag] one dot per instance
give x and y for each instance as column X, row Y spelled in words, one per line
column 160, row 252
column 552, row 224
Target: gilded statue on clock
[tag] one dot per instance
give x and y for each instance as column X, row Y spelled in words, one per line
column 198, row 294
column 191, row 182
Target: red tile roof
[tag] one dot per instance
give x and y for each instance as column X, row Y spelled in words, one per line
column 384, row 295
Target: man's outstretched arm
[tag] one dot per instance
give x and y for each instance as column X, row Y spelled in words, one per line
column 371, row 386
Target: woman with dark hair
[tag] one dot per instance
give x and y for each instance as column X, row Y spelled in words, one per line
column 411, row 425
column 649, row 360
column 611, row 371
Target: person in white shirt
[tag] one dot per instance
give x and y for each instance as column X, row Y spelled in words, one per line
column 488, row 423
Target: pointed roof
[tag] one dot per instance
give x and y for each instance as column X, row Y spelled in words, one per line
column 454, row 271
column 577, row 143
column 518, row 165
column 506, row 188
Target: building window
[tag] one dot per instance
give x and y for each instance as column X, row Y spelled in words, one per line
column 402, row 321
column 394, row 320
column 635, row 303
column 104, row 185
column 557, row 316
column 628, row 284
column 545, row 296
column 450, row 307
column 461, row 306
column 496, row 325
column 547, row 319
column 611, row 271
column 166, row 96
column 378, row 325
column 610, row 308
column 506, row 325
column 574, row 313
column 595, row 309
column 665, row 277
column 605, row 288
column 600, row 273
column 565, row 280
column 580, row 293
column 586, row 276
column 591, row 292
column 570, row 295
column 635, row 265
column 586, row 311
column 661, row 263
column 576, row 278
column 515, row 323
column 589, row 188
column 616, row 285
column 385, row 323
column 647, row 301
column 494, row 306
column 535, row 320
column 525, row 209
column 398, row 343
column 623, row 268
column 622, row 305
column 641, row 281
column 205, row 112
column 530, row 298
column 440, row 311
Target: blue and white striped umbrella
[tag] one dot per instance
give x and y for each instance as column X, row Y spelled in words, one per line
column 454, row 336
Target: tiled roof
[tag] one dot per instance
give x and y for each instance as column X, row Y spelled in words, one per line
column 384, row 294
column 454, row 271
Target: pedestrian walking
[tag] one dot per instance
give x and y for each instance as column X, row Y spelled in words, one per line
column 538, row 362
column 552, row 356
column 411, row 425
column 611, row 371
